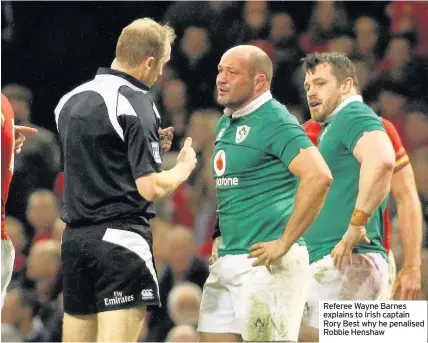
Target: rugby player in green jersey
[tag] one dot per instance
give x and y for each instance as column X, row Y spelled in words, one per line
column 257, row 288
column 347, row 259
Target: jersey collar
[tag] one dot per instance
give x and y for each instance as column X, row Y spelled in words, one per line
column 251, row 107
column 344, row 103
column 127, row 77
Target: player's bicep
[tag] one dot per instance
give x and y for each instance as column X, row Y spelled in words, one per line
column 309, row 161
column 374, row 143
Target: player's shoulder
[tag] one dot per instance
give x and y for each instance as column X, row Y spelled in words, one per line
column 275, row 113
column 357, row 111
column 358, row 108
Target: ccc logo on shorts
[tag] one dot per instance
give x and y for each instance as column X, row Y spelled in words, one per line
column 147, row 294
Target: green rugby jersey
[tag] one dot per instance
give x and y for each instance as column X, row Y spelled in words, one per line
column 255, row 190
column 337, row 141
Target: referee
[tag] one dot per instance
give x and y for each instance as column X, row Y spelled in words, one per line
column 112, row 161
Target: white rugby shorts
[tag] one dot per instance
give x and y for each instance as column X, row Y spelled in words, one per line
column 7, row 260
column 250, row 301
column 365, row 279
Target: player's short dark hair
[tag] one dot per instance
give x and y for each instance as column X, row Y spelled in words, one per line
column 341, row 65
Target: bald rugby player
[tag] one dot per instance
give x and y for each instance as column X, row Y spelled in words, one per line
column 257, row 287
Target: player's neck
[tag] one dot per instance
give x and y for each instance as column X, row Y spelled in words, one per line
column 249, row 101
column 352, row 92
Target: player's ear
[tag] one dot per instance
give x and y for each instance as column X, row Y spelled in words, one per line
column 347, row 85
column 259, row 81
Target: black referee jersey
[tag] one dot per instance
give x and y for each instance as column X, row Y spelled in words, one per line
column 108, row 129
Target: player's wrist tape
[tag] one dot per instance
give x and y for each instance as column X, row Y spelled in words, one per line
column 359, row 218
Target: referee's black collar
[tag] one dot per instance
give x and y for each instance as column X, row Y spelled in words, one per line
column 127, row 77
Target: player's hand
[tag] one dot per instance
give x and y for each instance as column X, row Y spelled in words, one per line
column 267, row 252
column 409, row 281
column 214, row 251
column 166, row 136
column 187, row 157
column 352, row 236
column 20, row 132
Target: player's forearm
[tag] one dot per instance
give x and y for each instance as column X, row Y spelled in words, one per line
column 375, row 179
column 410, row 226
column 310, row 197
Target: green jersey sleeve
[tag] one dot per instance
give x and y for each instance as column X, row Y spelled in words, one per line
column 287, row 139
column 354, row 126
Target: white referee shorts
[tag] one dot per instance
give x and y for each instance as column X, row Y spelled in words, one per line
column 365, row 279
column 250, row 301
column 7, row 260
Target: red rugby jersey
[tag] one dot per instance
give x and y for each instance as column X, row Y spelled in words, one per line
column 7, row 156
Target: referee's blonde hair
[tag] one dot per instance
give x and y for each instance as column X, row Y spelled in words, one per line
column 141, row 39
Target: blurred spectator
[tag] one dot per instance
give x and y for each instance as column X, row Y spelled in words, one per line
column 15, row 230
column 220, row 17
column 283, row 37
column 342, row 44
column 366, row 30
column 176, row 208
column 175, row 110
column 416, row 127
column 255, row 24
column 58, row 229
column 419, row 159
column 53, row 332
column 363, row 74
column 38, row 163
column 19, row 311
column 392, row 98
column 203, row 198
column 168, row 74
column 42, row 212
column 160, row 231
column 409, row 16
column 328, row 20
column 194, row 63
column 183, row 266
column 402, row 66
column 201, row 128
column 182, row 333
column 43, row 268
column 183, row 304
column 8, row 25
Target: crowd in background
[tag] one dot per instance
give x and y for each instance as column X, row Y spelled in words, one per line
column 392, row 66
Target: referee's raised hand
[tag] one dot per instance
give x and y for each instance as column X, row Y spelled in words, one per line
column 187, row 156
